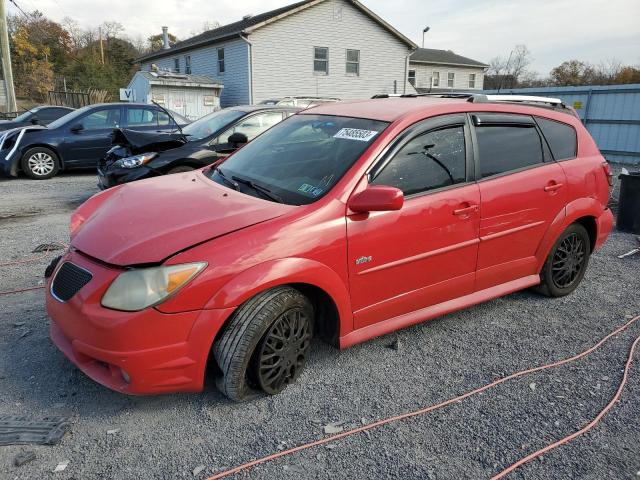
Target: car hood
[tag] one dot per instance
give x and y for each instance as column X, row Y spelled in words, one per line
column 148, row 221
column 140, row 142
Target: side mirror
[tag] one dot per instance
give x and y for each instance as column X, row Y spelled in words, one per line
column 377, row 198
column 35, row 121
column 78, row 127
column 238, row 139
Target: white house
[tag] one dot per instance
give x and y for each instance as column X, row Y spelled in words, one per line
column 327, row 48
column 432, row 70
column 192, row 96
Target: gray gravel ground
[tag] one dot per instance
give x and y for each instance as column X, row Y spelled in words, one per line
column 169, row 436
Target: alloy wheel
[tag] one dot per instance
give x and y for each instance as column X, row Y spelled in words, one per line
column 568, row 260
column 283, row 351
column 41, row 164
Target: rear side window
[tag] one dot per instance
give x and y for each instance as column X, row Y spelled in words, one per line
column 504, row 148
column 432, row 160
column 561, row 137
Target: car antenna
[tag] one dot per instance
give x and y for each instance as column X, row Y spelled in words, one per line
column 170, row 116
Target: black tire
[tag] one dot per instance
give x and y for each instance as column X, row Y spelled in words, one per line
column 241, row 349
column 567, row 262
column 40, row 163
column 180, row 169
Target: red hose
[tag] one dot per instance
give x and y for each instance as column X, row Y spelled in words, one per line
column 10, row 292
column 459, row 398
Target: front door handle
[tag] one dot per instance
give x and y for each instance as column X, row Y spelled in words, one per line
column 553, row 186
column 465, row 211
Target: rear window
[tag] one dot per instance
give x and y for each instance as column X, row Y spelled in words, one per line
column 561, row 138
column 504, row 148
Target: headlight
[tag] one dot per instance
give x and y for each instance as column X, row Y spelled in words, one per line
column 140, row 288
column 135, row 161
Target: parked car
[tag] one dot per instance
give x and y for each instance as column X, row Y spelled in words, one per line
column 77, row 140
column 207, row 140
column 302, row 102
column 345, row 222
column 36, row 116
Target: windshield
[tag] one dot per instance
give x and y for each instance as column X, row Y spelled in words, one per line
column 300, row 159
column 212, row 123
column 25, row 115
column 69, row 117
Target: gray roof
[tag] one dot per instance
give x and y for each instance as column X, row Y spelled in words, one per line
column 444, row 57
column 236, row 28
column 180, row 79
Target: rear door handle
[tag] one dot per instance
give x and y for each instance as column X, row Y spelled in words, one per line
column 552, row 187
column 466, row 210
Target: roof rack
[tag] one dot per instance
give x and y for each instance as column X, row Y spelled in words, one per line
column 481, row 98
column 415, row 95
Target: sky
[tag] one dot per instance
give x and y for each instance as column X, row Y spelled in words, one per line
column 554, row 30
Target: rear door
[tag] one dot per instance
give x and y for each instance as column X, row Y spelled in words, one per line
column 83, row 148
column 425, row 253
column 522, row 190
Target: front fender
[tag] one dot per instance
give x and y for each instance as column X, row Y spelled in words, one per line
column 281, row 272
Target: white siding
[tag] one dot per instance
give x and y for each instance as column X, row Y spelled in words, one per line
column 283, row 54
column 424, row 72
column 204, row 61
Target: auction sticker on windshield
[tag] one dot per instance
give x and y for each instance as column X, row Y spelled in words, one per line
column 356, row 134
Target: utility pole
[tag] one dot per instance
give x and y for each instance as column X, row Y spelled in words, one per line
column 6, row 61
column 101, row 48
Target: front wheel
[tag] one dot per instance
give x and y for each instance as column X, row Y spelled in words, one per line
column 264, row 345
column 567, row 262
column 40, row 163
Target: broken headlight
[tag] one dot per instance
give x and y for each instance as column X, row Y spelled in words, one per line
column 135, row 161
column 139, row 288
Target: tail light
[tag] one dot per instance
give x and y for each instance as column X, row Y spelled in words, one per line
column 607, row 172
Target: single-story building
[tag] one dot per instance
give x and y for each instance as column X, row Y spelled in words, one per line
column 327, row 48
column 192, row 96
column 432, row 70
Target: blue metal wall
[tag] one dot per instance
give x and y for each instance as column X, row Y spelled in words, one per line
column 611, row 113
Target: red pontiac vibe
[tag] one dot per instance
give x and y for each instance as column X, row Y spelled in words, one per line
column 346, row 221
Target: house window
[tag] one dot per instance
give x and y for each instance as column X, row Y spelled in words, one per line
column 353, row 62
column 321, row 60
column 221, row 60
column 451, row 79
column 435, row 79
column 472, row 80
column 176, row 65
column 187, row 64
column 412, row 77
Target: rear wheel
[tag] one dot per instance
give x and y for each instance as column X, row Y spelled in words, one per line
column 180, row 169
column 265, row 344
column 567, row 262
column 40, row 163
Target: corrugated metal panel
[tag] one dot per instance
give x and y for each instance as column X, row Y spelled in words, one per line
column 611, row 113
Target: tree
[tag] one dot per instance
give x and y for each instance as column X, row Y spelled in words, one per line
column 628, row 75
column 511, row 71
column 155, row 41
column 572, row 72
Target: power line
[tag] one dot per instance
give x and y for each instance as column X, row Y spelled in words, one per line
column 20, row 8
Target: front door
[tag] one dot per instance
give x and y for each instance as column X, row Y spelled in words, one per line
column 425, row 253
column 84, row 147
column 522, row 190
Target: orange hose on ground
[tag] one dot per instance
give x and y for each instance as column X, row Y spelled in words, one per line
column 10, row 292
column 459, row 398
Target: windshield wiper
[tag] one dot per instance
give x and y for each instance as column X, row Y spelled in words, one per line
column 227, row 179
column 259, row 188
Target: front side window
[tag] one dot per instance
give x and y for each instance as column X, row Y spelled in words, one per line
column 107, row 118
column 561, row 138
column 504, row 148
column 300, row 159
column 432, row 160
column 412, row 77
column 472, row 80
column 451, row 79
column 321, row 60
column 435, row 78
column 221, row 60
column 353, row 62
column 141, row 117
column 176, row 65
column 187, row 64
column 253, row 125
